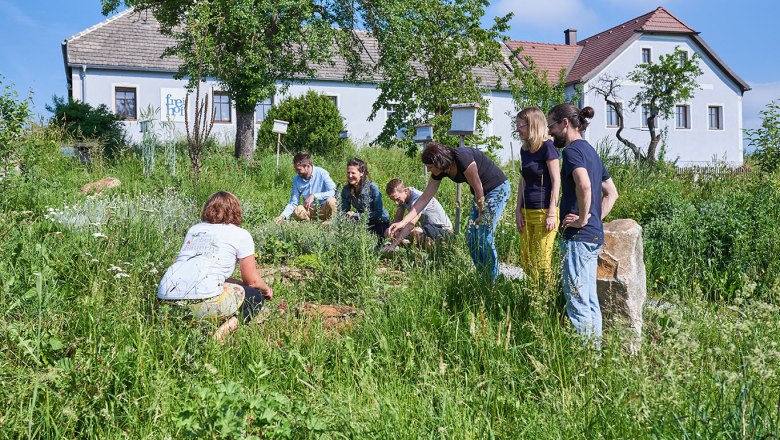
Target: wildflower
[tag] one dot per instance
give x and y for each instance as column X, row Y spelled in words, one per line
column 94, row 260
column 153, row 271
column 121, row 275
column 115, row 268
column 99, row 235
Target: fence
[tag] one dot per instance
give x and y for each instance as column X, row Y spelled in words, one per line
column 709, row 172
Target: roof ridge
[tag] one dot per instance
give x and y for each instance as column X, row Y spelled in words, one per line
column 635, row 20
column 662, row 9
column 539, row 42
column 99, row 25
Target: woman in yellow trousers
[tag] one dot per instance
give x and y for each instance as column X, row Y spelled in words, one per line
column 536, row 215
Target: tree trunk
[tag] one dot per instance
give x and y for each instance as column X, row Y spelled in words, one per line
column 245, row 134
column 652, row 148
column 630, row 145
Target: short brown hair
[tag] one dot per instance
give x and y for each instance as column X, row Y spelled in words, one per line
column 438, row 155
column 302, row 158
column 394, row 185
column 222, row 208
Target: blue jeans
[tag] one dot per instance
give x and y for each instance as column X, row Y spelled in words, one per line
column 482, row 246
column 578, row 274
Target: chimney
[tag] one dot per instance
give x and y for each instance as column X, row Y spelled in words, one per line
column 571, row 36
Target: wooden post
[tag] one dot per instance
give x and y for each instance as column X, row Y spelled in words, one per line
column 278, row 147
column 458, row 194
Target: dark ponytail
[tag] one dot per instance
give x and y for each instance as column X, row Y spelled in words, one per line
column 579, row 119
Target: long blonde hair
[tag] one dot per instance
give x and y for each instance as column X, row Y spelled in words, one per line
column 537, row 128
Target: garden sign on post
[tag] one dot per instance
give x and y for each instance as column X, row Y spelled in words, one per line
column 280, row 128
column 464, row 123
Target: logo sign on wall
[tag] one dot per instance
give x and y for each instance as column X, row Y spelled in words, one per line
column 172, row 104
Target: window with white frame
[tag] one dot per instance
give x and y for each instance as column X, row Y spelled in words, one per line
column 646, row 114
column 125, row 102
column 647, row 55
column 261, row 109
column 391, row 109
column 682, row 116
column 715, row 116
column 612, row 115
column 683, row 58
column 221, row 107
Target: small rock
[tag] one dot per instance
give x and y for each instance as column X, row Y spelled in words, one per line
column 334, row 317
column 99, row 186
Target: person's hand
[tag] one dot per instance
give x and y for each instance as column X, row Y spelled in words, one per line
column 279, row 219
column 550, row 223
column 574, row 221
column 395, row 227
column 308, row 202
column 520, row 222
column 268, row 293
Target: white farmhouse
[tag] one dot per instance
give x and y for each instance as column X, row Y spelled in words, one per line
column 119, row 63
column 705, row 129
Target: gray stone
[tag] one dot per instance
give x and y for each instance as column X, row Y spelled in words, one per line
column 621, row 278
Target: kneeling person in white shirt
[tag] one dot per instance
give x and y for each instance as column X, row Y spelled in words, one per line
column 199, row 279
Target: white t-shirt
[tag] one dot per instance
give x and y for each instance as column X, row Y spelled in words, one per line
column 207, row 257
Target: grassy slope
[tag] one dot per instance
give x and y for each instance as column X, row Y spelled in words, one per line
column 436, row 355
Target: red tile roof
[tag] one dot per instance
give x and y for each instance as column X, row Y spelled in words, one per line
column 547, row 57
column 602, row 46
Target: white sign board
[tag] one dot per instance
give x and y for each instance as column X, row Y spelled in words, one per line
column 172, row 104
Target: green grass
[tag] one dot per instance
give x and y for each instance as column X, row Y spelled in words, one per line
column 85, row 353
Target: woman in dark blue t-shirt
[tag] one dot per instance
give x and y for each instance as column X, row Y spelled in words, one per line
column 536, row 215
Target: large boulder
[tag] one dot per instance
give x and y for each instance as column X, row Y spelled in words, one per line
column 621, row 278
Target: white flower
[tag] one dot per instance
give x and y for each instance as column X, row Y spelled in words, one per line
column 153, row 271
column 99, row 235
column 116, row 268
column 121, row 275
column 94, row 260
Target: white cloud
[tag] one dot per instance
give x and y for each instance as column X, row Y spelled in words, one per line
column 546, row 14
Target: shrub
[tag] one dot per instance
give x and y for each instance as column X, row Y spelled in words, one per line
column 315, row 123
column 14, row 116
column 82, row 121
column 766, row 139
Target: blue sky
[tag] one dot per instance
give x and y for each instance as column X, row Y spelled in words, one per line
column 742, row 33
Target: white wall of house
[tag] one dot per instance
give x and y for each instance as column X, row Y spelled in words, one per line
column 354, row 101
column 697, row 145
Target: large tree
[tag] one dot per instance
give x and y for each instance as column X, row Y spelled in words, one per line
column 663, row 85
column 256, row 47
column 428, row 53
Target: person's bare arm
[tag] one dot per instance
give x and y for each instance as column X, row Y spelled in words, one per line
column 609, row 194
column 472, row 177
column 555, row 178
column 252, row 278
column 519, row 219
